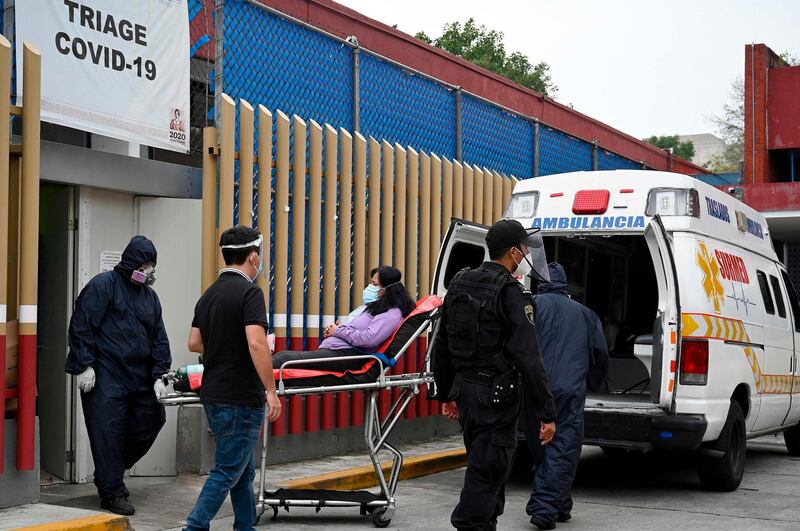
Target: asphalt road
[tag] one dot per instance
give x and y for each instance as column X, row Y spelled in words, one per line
column 650, row 492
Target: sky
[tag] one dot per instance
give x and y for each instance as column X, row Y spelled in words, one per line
column 643, row 66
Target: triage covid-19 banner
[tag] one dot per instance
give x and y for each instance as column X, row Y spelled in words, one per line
column 115, row 67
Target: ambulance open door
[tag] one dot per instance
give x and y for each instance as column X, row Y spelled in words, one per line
column 667, row 325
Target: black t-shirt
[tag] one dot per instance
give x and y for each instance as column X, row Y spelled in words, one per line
column 221, row 314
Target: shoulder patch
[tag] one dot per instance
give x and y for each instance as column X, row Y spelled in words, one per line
column 529, row 313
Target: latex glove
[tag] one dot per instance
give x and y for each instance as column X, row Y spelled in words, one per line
column 160, row 389
column 86, row 380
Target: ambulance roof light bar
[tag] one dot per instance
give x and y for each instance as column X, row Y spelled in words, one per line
column 673, row 202
column 590, row 202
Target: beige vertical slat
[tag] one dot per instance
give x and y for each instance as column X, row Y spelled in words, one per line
column 436, row 212
column 477, row 195
column 508, row 187
column 210, row 249
column 329, row 257
column 374, row 206
column 226, row 165
column 281, row 278
column 264, row 206
column 345, row 214
column 412, row 223
column 458, row 190
column 488, row 196
column 399, row 256
column 314, row 230
column 359, row 217
column 298, row 227
column 246, row 151
column 469, row 192
column 498, row 197
column 424, row 224
column 387, row 202
column 447, row 194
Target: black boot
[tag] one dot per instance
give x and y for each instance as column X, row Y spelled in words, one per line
column 118, row 505
column 541, row 524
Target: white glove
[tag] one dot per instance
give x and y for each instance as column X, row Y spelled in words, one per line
column 160, row 389
column 86, row 380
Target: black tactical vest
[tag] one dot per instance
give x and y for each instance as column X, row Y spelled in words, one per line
column 476, row 329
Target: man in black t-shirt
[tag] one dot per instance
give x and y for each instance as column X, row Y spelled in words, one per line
column 230, row 330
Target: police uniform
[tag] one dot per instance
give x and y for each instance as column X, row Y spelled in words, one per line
column 485, row 347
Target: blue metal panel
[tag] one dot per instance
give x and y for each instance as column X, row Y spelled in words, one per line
column 606, row 160
column 561, row 153
column 496, row 139
column 400, row 106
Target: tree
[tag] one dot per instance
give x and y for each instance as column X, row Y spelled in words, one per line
column 684, row 150
column 485, row 48
column 730, row 125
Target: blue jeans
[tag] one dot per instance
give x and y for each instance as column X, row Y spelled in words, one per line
column 236, row 429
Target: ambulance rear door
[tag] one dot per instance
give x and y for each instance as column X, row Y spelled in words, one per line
column 464, row 245
column 666, row 328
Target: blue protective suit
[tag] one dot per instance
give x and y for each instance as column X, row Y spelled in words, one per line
column 574, row 352
column 117, row 328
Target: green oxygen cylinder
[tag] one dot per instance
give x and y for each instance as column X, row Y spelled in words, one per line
column 188, row 377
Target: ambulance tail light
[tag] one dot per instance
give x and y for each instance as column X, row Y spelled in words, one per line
column 694, row 362
column 673, row 202
column 522, row 206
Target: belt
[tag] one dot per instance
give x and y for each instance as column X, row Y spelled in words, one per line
column 480, row 375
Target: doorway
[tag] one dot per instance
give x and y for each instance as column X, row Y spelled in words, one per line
column 56, row 295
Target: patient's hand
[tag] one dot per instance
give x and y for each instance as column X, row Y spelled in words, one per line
column 330, row 329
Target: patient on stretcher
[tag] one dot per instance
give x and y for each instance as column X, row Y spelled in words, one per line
column 364, row 334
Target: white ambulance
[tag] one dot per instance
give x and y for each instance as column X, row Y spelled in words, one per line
column 701, row 319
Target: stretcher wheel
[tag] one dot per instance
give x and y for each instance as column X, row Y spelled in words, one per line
column 377, row 518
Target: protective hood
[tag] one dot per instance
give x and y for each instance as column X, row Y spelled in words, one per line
column 139, row 251
column 557, row 282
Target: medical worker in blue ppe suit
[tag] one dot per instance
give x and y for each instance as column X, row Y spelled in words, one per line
column 574, row 355
column 118, row 350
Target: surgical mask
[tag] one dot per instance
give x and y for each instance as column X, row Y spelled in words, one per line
column 370, row 293
column 145, row 276
column 259, row 243
column 523, row 266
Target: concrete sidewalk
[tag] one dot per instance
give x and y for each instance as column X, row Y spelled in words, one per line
column 164, row 503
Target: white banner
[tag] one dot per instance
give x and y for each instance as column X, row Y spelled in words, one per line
column 115, row 67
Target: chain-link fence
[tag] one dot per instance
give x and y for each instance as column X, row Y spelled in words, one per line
column 271, row 59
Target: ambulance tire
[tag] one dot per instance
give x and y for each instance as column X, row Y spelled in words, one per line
column 792, row 439
column 724, row 473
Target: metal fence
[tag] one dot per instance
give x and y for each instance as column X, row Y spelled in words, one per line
column 265, row 56
column 333, row 204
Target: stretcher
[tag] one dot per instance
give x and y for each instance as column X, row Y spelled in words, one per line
column 309, row 377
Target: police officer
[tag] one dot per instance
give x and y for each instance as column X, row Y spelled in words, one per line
column 477, row 369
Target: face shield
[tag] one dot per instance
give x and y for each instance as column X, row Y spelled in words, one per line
column 536, row 255
column 259, row 244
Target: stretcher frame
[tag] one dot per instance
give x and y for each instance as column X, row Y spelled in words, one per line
column 376, row 430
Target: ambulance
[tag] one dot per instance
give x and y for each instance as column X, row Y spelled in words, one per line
column 701, row 319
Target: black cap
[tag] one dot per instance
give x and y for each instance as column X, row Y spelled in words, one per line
column 505, row 234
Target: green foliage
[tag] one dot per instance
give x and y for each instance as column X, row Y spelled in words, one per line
column 684, row 150
column 485, row 48
column 730, row 126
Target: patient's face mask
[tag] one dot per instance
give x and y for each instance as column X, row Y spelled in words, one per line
column 370, row 293
column 145, row 275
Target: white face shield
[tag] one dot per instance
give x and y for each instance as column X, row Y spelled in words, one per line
column 259, row 243
column 536, row 255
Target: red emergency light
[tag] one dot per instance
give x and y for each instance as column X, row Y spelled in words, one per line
column 590, row 202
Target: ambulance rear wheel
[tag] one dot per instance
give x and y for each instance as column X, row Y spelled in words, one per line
column 724, row 472
column 792, row 439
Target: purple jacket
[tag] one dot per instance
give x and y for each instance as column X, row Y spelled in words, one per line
column 365, row 331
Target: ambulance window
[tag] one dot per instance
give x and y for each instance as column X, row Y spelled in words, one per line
column 793, row 304
column 765, row 294
column 776, row 287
